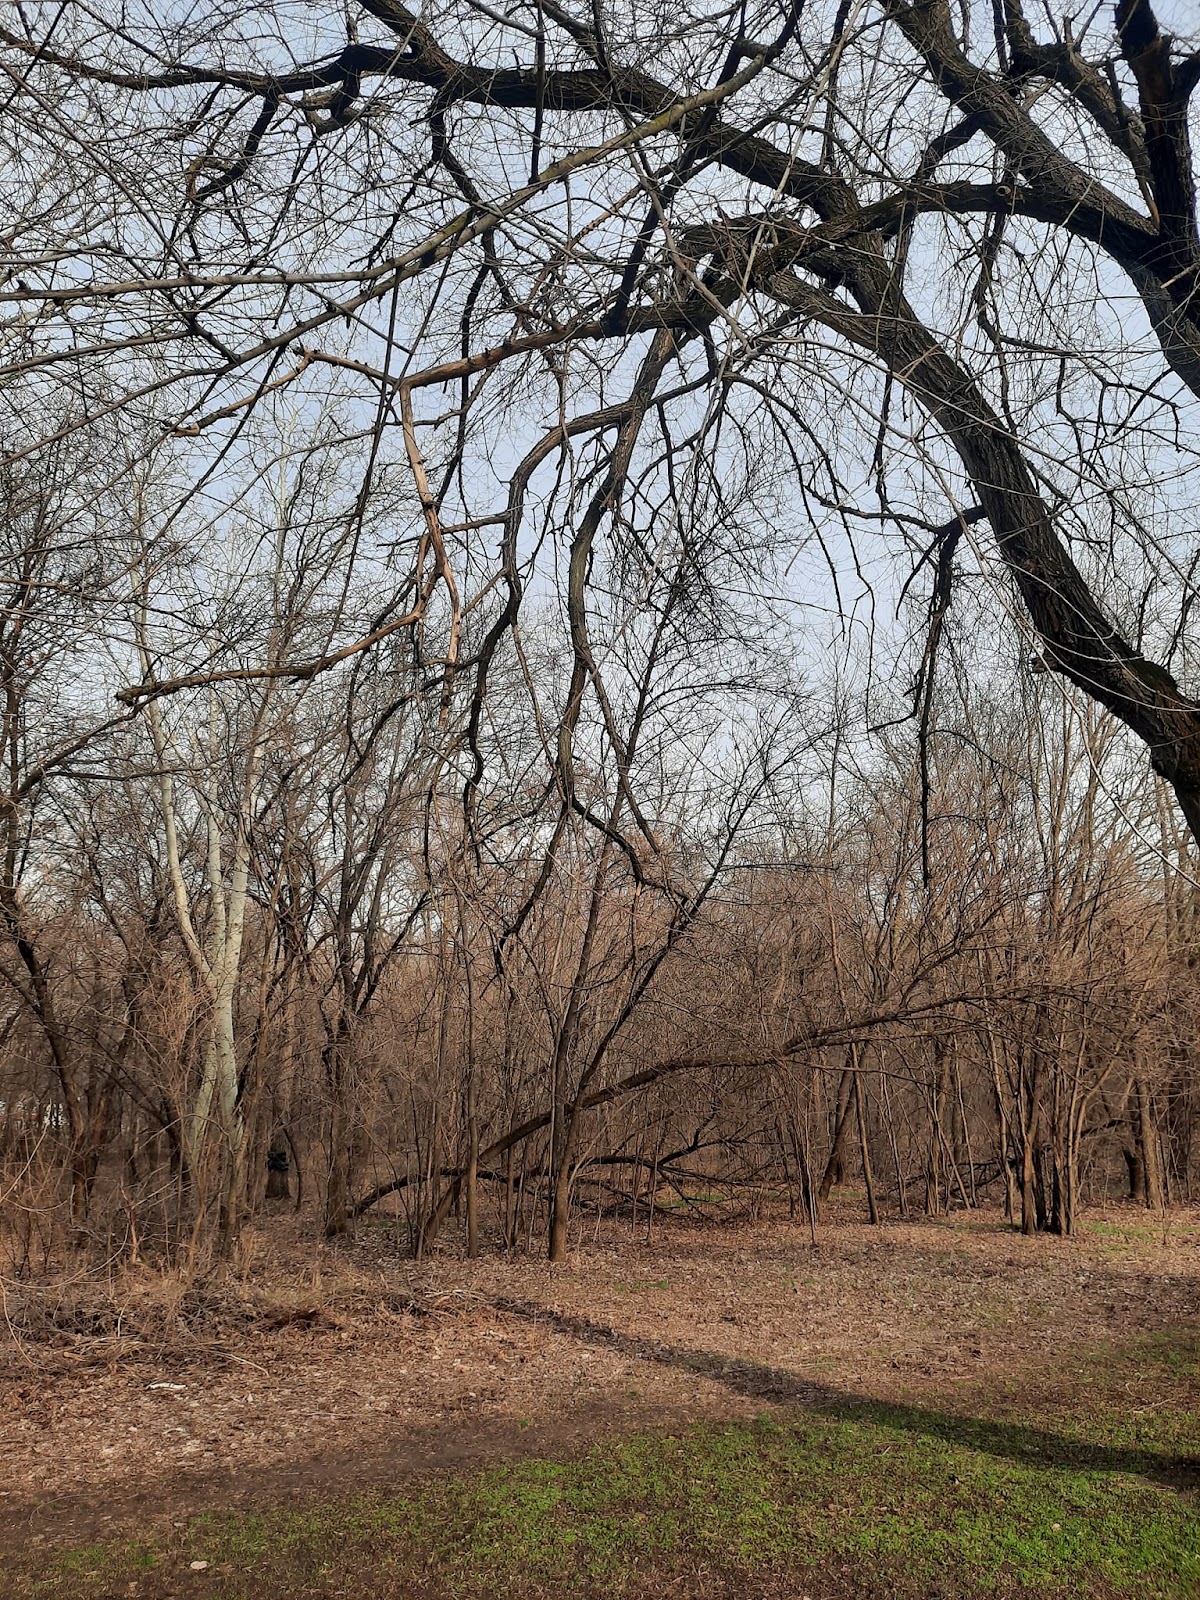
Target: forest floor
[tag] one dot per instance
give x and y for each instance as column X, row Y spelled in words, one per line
column 926, row 1409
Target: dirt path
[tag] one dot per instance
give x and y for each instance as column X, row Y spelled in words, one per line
column 374, row 1370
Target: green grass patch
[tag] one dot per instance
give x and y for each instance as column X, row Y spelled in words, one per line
column 1117, row 1236
column 911, row 1502
column 1093, row 1491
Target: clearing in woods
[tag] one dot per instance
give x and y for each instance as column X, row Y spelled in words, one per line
column 934, row 1409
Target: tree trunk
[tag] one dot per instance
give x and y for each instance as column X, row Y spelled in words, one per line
column 339, row 1179
column 1148, row 1142
column 1136, row 1173
column 279, row 1186
column 937, row 1108
column 835, row 1166
column 865, row 1150
column 472, row 1178
column 560, row 1207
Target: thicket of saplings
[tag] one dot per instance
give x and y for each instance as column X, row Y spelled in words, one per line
column 988, row 998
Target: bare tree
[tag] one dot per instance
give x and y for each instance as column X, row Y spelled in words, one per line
column 720, row 204
column 488, row 420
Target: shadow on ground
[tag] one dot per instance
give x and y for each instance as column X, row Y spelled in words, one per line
column 1015, row 1441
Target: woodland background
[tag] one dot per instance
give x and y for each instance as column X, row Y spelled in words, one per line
column 597, row 616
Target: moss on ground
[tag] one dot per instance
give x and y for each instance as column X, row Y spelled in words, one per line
column 874, row 1500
